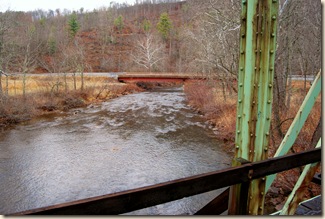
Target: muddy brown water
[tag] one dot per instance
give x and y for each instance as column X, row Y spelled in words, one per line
column 129, row 142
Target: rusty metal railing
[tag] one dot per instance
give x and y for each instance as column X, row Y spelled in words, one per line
column 130, row 200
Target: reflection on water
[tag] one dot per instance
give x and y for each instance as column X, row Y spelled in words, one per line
column 129, row 142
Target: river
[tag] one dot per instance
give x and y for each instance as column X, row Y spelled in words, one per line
column 128, row 142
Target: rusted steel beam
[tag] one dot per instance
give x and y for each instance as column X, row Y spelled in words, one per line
column 317, row 179
column 139, row 198
column 148, row 79
column 217, row 206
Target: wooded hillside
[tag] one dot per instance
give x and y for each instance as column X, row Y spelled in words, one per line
column 169, row 36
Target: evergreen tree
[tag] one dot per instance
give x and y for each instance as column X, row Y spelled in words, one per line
column 146, row 25
column 119, row 23
column 73, row 25
column 164, row 25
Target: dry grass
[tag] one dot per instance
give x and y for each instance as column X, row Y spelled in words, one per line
column 45, row 94
column 35, row 84
column 209, row 100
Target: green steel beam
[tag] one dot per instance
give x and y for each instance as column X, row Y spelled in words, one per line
column 297, row 123
column 297, row 192
column 255, row 89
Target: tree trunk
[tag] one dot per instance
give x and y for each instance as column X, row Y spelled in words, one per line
column 82, row 80
column 317, row 134
column 74, row 81
column 1, row 93
column 289, row 76
column 7, row 85
column 65, row 82
column 24, row 84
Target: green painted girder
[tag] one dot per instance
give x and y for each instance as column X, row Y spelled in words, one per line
column 297, row 123
column 293, row 200
column 255, row 94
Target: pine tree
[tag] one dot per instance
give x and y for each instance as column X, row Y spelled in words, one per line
column 73, row 25
column 118, row 22
column 146, row 25
column 164, row 25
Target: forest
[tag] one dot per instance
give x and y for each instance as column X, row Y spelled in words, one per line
column 165, row 36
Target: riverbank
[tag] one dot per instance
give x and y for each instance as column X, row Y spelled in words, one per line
column 217, row 103
column 47, row 94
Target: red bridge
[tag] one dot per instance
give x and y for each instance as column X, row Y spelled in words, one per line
column 159, row 77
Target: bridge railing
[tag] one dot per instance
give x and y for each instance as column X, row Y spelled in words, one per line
column 134, row 199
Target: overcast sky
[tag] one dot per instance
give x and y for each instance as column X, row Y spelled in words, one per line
column 30, row 5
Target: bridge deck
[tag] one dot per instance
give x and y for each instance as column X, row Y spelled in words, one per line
column 155, row 77
column 310, row 207
column 162, row 75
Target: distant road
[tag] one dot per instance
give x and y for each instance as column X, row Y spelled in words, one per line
column 99, row 74
column 302, row 78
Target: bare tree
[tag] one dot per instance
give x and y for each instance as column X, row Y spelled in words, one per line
column 148, row 52
column 6, row 20
column 298, row 50
column 215, row 37
column 76, row 63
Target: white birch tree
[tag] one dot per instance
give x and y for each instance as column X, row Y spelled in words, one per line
column 148, row 52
